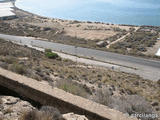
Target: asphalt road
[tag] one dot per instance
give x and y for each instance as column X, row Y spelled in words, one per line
column 149, row 69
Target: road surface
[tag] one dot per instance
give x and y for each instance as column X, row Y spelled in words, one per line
column 148, row 69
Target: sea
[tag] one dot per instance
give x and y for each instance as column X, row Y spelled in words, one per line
column 130, row 12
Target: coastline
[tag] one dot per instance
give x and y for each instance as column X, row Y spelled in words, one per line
column 106, row 23
column 90, row 21
column 87, row 34
column 82, row 34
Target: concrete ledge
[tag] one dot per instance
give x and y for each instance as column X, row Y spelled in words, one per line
column 8, row 17
column 65, row 102
column 7, row 9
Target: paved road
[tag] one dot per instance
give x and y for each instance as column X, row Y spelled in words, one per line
column 149, row 69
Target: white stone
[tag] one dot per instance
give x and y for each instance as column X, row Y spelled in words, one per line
column 72, row 116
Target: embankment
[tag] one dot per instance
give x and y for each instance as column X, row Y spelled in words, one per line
column 65, row 102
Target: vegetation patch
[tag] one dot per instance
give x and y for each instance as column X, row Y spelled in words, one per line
column 73, row 88
column 136, row 43
column 79, row 79
column 45, row 113
column 50, row 54
column 18, row 68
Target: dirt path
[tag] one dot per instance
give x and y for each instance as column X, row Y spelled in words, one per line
column 122, row 38
column 118, row 40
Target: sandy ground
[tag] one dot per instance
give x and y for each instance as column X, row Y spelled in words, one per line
column 92, row 31
column 85, row 30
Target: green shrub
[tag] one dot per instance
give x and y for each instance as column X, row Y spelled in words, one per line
column 51, row 55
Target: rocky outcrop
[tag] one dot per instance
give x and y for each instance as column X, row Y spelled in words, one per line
column 13, row 108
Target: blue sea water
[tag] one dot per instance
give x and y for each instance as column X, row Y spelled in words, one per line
column 134, row 12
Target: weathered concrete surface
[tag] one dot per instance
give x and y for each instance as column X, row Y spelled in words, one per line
column 6, row 8
column 64, row 101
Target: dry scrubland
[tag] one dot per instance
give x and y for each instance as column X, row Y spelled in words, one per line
column 138, row 40
column 127, row 93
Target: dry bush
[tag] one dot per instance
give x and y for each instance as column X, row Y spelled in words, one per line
column 71, row 87
column 45, row 113
column 8, row 59
column 18, row 68
column 132, row 104
column 52, row 112
column 102, row 96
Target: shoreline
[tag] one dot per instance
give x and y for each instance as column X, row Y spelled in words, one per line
column 87, row 21
column 105, row 23
column 81, row 21
column 87, row 34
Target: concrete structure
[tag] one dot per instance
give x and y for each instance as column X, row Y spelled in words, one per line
column 158, row 52
column 65, row 102
column 6, row 9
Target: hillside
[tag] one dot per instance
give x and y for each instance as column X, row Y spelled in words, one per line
column 108, row 87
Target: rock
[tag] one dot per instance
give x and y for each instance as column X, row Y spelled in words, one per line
column 23, row 58
column 155, row 104
column 55, row 74
column 1, row 115
column 72, row 116
column 13, row 108
column 9, row 100
column 101, row 44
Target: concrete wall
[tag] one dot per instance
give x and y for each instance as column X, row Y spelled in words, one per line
column 7, row 9
column 8, row 17
column 65, row 102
